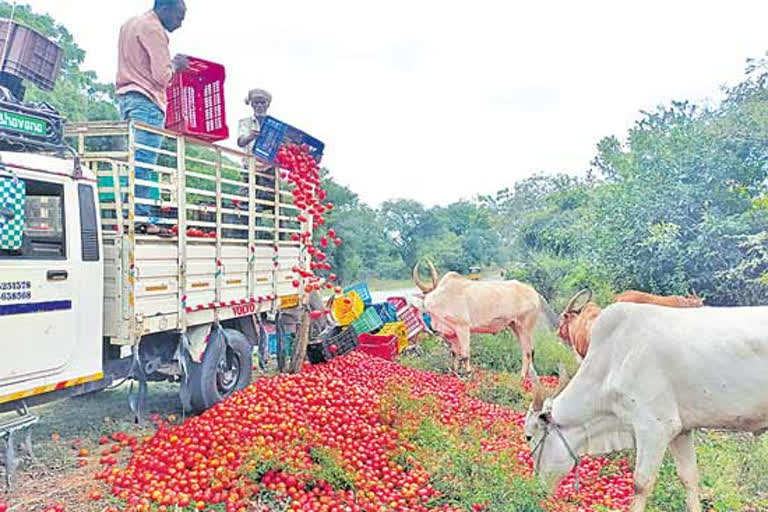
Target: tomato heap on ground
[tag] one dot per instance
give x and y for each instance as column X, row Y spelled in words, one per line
column 263, row 439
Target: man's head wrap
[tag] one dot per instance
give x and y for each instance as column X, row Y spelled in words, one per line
column 253, row 93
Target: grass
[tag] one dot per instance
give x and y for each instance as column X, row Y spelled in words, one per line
column 461, row 470
column 55, row 476
column 499, row 353
column 385, row 285
column 733, row 472
column 733, row 467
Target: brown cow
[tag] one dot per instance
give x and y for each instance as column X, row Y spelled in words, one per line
column 576, row 324
column 672, row 301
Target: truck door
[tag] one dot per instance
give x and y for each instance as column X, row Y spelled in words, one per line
column 37, row 320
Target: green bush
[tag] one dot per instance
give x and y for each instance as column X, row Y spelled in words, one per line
column 559, row 278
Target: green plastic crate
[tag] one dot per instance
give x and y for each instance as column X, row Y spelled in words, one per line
column 368, row 322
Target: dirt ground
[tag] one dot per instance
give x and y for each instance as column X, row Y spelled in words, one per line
column 65, row 427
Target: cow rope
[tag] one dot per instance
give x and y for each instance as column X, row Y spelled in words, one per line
column 540, row 448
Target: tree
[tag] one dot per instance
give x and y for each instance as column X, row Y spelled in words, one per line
column 408, row 224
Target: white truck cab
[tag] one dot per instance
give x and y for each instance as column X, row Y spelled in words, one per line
column 51, row 279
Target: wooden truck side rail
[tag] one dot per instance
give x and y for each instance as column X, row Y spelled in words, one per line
column 226, row 248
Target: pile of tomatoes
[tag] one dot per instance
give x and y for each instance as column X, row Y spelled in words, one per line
column 264, row 438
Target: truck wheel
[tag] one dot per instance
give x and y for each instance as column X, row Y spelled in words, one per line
column 225, row 368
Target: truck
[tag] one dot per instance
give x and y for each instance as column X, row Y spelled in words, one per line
column 132, row 253
column 90, row 296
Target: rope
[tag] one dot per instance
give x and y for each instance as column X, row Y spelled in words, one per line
column 540, row 444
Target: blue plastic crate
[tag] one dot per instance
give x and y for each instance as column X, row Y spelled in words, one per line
column 427, row 320
column 274, row 133
column 287, row 343
column 362, row 290
column 387, row 312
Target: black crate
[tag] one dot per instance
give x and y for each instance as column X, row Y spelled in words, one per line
column 345, row 339
column 29, row 54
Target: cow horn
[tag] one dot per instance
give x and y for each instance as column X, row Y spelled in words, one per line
column 563, row 377
column 569, row 308
column 434, row 272
column 418, row 282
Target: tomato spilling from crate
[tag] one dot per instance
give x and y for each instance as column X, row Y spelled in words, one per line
column 303, row 172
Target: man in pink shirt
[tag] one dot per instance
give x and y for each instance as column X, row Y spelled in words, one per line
column 144, row 71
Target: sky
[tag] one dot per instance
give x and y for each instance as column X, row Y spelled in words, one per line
column 439, row 101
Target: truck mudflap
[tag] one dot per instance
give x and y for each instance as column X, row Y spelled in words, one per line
column 195, row 341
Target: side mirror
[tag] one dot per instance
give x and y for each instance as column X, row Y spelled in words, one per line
column 13, row 198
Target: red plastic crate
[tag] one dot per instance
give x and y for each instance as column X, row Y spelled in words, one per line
column 196, row 101
column 384, row 347
column 414, row 324
column 398, row 302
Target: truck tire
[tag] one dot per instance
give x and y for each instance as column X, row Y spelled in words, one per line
column 225, row 368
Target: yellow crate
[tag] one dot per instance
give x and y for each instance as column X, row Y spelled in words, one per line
column 396, row 329
column 289, row 301
column 347, row 308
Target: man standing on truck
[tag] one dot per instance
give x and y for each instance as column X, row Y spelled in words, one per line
column 144, row 71
column 248, row 131
column 249, row 127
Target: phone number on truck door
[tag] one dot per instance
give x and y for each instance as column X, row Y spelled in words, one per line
column 5, row 296
column 15, row 290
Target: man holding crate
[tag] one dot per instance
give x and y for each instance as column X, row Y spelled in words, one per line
column 248, row 131
column 144, row 71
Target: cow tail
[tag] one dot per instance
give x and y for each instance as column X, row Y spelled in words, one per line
column 549, row 313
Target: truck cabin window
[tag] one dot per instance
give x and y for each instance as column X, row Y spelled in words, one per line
column 42, row 234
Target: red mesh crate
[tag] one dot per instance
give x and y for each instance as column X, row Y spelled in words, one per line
column 414, row 324
column 384, row 347
column 196, row 101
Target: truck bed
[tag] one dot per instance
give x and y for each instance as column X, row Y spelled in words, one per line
column 156, row 283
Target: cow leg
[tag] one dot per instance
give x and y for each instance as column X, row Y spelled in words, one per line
column 684, row 455
column 652, row 443
column 462, row 333
column 452, row 343
column 523, row 332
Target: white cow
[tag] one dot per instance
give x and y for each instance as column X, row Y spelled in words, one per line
column 459, row 307
column 652, row 375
